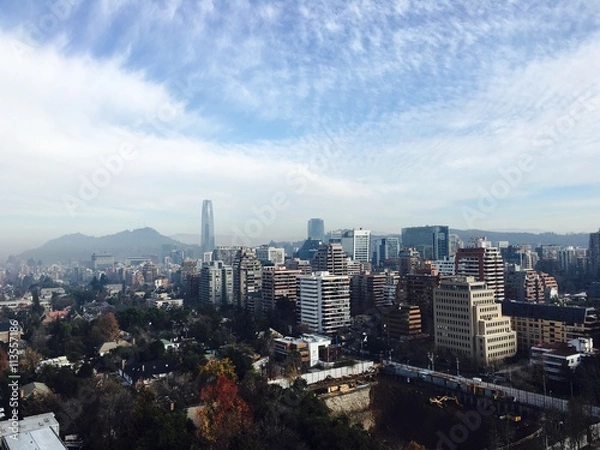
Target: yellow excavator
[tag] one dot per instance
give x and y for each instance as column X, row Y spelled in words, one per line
column 439, row 401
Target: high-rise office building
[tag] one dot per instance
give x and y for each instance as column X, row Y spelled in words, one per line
column 483, row 262
column 594, row 255
column 247, row 278
column 432, row 242
column 357, row 245
column 385, row 249
column 330, row 258
column 324, row 301
column 208, row 227
column 216, row 284
column 469, row 322
column 316, row 229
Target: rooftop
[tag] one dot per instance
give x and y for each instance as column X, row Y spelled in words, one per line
column 530, row 310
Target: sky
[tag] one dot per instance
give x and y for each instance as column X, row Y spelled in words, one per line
column 118, row 114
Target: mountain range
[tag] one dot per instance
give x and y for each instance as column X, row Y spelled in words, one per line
column 147, row 241
column 79, row 247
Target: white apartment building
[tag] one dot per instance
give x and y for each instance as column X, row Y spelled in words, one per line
column 324, row 301
column 216, row 284
column 468, row 321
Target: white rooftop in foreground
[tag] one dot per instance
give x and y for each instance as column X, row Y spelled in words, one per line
column 34, row 433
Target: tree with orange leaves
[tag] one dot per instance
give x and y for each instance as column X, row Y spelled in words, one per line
column 224, row 413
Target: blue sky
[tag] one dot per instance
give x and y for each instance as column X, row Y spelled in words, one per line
column 373, row 114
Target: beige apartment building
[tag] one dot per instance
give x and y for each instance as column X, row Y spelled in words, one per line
column 468, row 321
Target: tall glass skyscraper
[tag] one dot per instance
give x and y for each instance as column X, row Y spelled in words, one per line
column 208, row 227
column 316, row 229
column 432, row 242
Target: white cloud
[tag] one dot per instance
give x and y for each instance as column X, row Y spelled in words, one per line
column 409, row 135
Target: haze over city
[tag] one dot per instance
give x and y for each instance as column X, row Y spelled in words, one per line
column 383, row 115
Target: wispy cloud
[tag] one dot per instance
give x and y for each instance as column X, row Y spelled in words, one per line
column 408, row 107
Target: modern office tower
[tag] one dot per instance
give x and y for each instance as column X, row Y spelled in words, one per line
column 324, row 301
column 468, row 321
column 216, row 284
column 366, row 292
column 385, row 249
column 330, row 258
column 483, row 262
column 225, row 254
column 273, row 255
column 208, row 227
column 316, row 229
column 278, row 283
column 247, row 278
column 409, row 260
column 432, row 242
column 357, row 245
column 594, row 255
column 536, row 323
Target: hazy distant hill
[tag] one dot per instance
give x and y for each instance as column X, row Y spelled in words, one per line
column 574, row 239
column 140, row 242
column 187, row 238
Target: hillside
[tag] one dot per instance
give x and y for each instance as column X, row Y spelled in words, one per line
column 79, row 247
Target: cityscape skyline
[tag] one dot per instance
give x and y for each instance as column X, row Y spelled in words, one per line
column 390, row 115
column 313, row 224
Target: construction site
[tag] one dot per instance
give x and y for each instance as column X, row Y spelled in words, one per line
column 459, row 413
